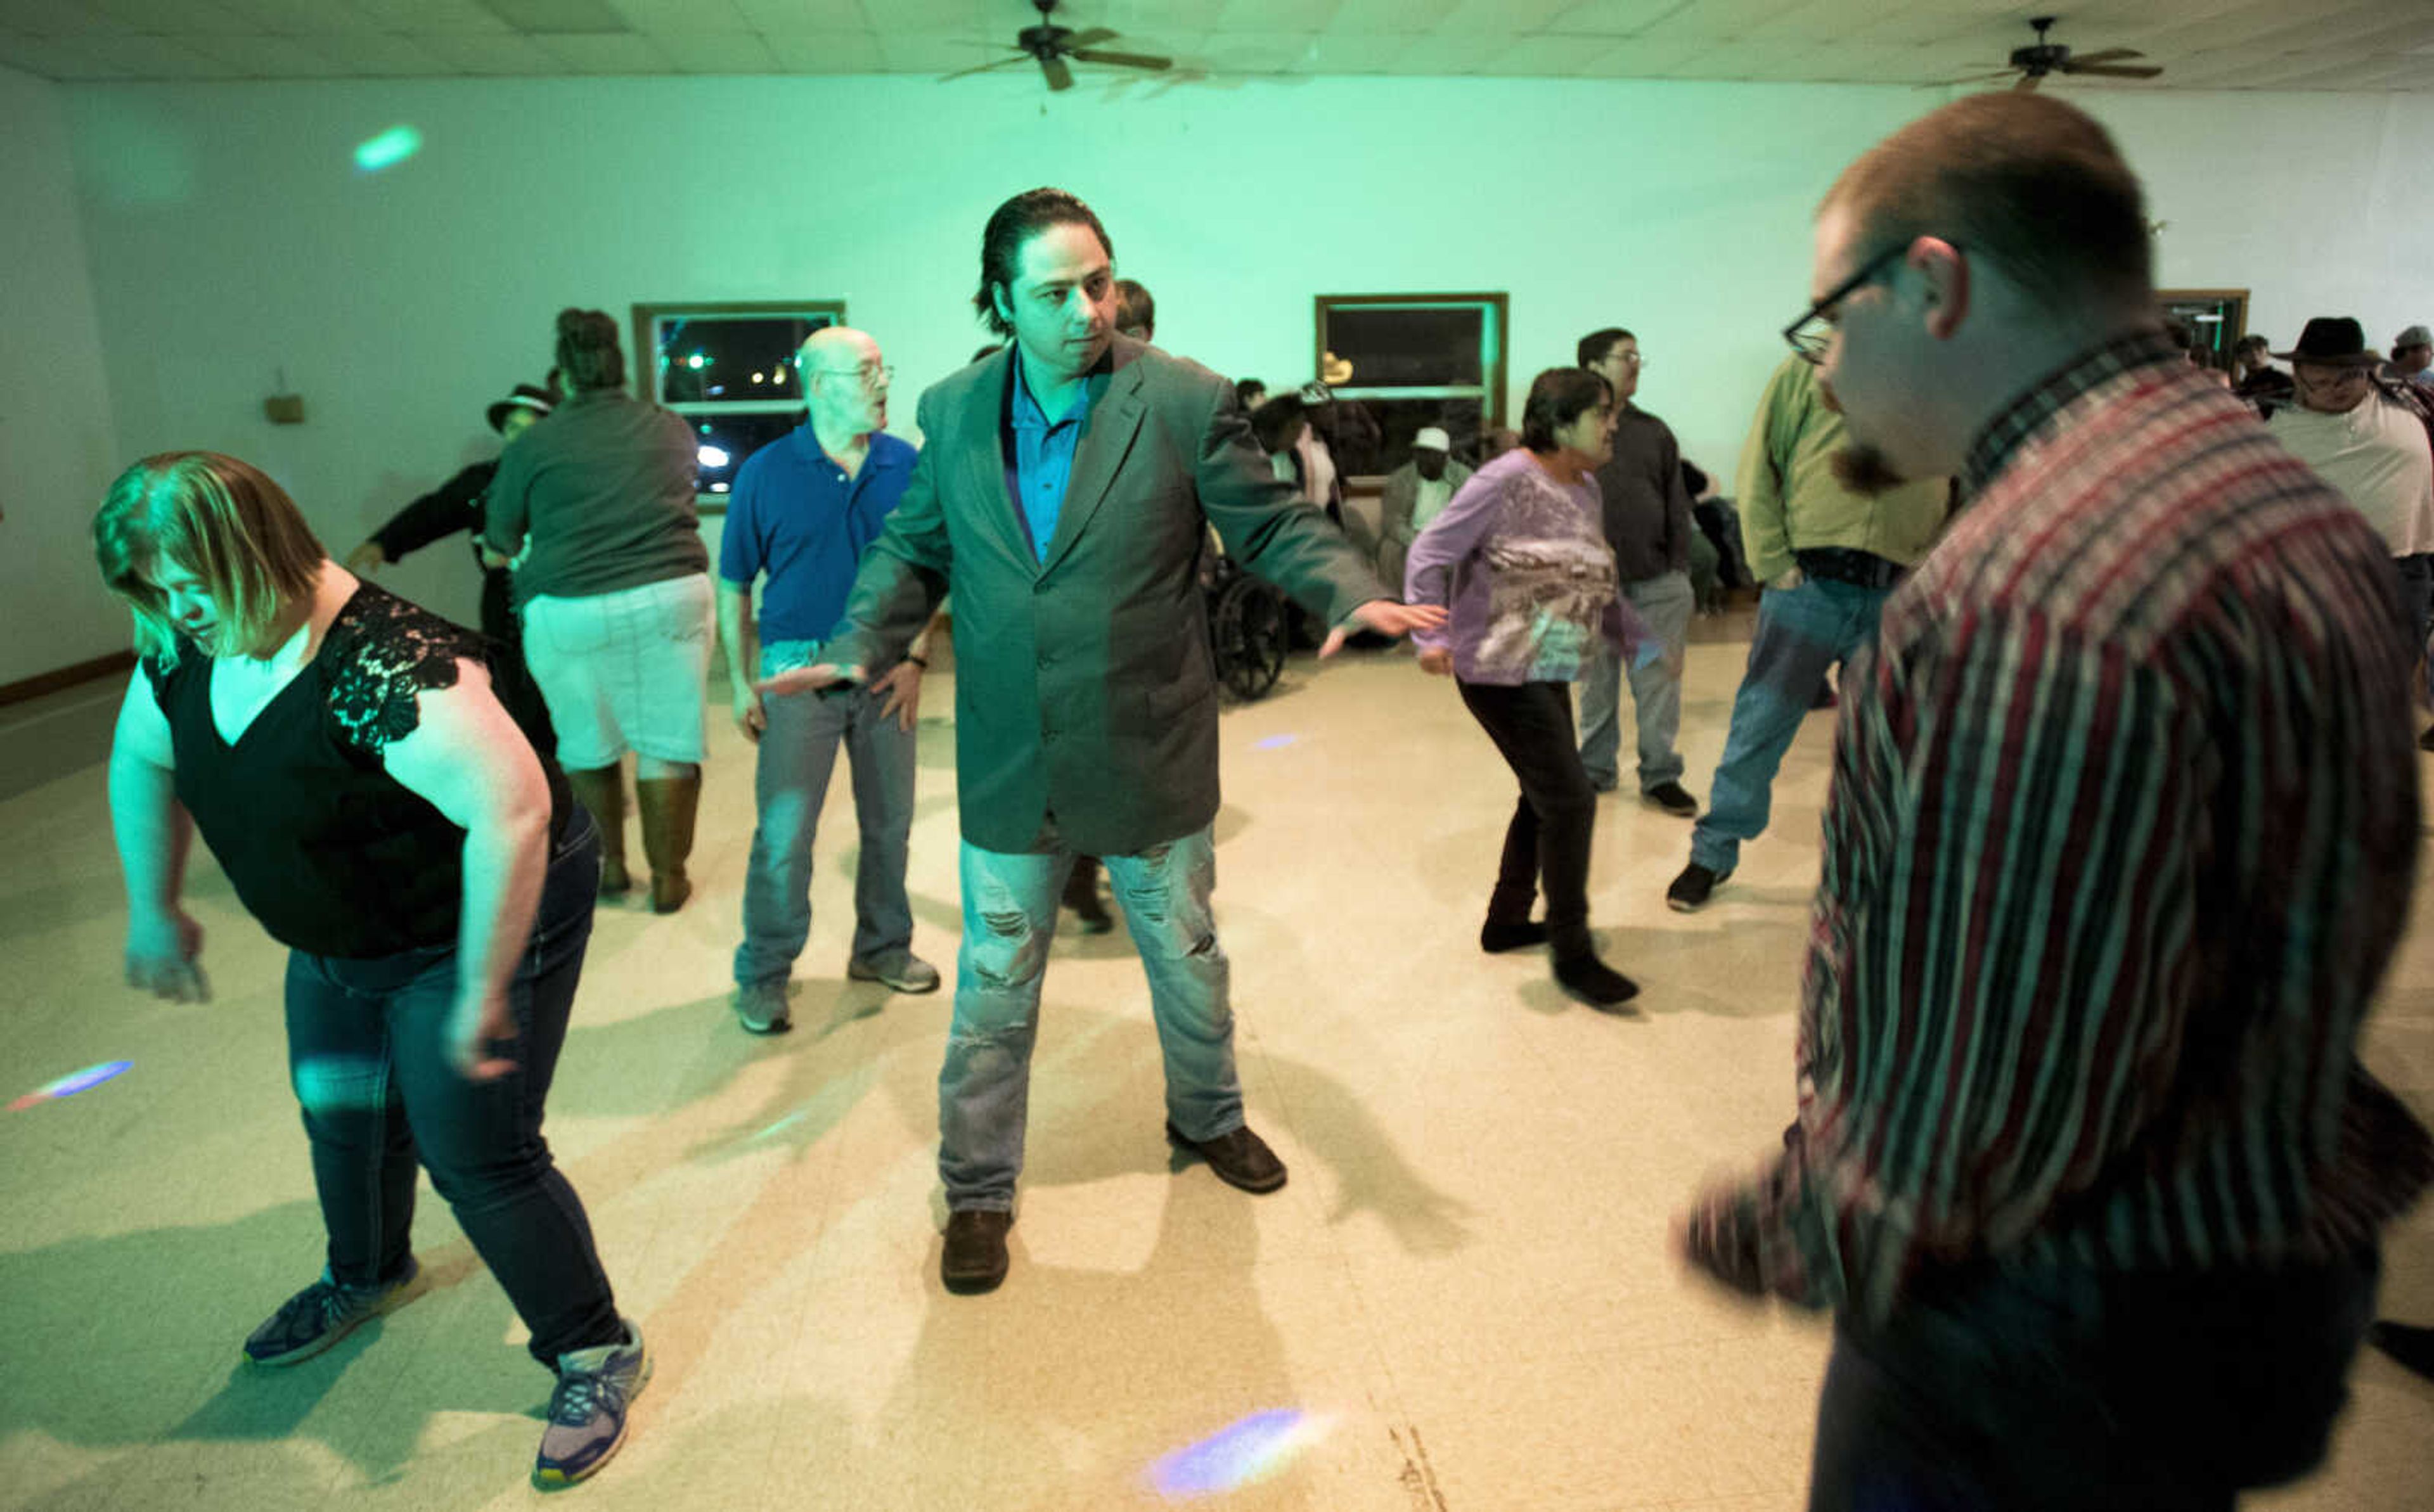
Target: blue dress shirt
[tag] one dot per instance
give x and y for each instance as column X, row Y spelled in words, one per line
column 1039, row 453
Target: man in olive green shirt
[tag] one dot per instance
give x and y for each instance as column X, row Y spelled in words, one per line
column 1830, row 557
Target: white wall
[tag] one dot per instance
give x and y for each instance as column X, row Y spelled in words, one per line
column 57, row 446
column 232, row 237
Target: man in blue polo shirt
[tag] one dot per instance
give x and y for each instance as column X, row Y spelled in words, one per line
column 804, row 510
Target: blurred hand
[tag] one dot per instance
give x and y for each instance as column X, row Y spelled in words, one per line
column 494, row 561
column 367, row 559
column 1388, row 617
column 1437, row 661
column 164, row 955
column 479, row 1023
column 1789, row 581
column 904, row 689
column 751, row 715
column 813, row 679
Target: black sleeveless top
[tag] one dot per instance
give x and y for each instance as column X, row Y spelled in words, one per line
column 330, row 853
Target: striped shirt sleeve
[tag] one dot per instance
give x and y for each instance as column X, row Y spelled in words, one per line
column 2002, row 963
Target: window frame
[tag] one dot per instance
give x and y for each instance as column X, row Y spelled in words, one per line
column 646, row 317
column 1495, row 333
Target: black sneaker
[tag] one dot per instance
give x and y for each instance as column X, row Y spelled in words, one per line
column 1497, row 937
column 1690, row 891
column 1594, row 982
column 320, row 1315
column 1673, row 798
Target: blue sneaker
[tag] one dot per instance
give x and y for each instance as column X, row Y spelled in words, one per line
column 320, row 1315
column 587, row 1412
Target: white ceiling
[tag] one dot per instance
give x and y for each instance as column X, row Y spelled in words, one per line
column 2351, row 45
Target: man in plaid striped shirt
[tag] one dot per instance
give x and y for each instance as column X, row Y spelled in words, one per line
column 2121, row 834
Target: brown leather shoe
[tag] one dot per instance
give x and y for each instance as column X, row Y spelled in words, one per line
column 974, row 1258
column 1240, row 1158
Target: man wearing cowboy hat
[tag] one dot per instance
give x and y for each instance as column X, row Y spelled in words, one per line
column 456, row 505
column 2370, row 440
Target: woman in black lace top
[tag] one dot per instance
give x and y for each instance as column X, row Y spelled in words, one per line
column 382, row 814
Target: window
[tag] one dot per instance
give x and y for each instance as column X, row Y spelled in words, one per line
column 729, row 370
column 2215, row 318
column 1416, row 360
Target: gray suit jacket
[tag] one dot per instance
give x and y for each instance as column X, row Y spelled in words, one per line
column 1084, row 686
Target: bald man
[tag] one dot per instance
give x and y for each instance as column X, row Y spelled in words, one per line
column 804, row 510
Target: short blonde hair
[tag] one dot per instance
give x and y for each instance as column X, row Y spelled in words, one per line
column 217, row 517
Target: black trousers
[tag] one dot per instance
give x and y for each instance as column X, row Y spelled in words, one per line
column 2080, row 1392
column 1547, row 844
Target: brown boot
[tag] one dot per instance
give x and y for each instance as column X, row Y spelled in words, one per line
column 601, row 790
column 668, row 805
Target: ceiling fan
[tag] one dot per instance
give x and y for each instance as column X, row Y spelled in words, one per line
column 2033, row 63
column 1052, row 44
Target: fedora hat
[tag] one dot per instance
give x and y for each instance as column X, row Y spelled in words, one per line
column 523, row 397
column 2332, row 341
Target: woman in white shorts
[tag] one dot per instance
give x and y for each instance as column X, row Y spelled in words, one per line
column 612, row 581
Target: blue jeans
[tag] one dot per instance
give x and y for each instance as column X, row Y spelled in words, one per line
column 798, row 753
column 367, row 1055
column 2417, row 593
column 1801, row 633
column 1666, row 604
column 2062, row 1391
column 1009, row 913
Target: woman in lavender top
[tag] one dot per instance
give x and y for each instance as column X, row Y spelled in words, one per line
column 1519, row 558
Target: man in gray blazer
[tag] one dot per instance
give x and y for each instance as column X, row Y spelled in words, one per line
column 1065, row 492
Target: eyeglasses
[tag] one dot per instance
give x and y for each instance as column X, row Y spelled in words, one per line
column 870, row 375
column 1813, row 332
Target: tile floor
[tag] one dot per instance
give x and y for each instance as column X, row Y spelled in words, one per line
column 1465, row 1290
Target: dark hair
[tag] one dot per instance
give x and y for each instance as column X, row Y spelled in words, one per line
column 1693, row 478
column 1244, row 388
column 1558, row 397
column 1010, row 226
column 1594, row 346
column 2029, row 181
column 588, row 354
column 2252, row 342
column 1134, row 307
column 1276, row 422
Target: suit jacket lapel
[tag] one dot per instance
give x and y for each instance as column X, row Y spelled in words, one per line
column 1107, row 437
column 984, row 446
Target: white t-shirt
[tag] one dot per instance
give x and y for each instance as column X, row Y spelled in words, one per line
column 1433, row 495
column 2378, row 456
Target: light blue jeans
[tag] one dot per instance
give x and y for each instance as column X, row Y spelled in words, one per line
column 1009, row 913
column 797, row 756
column 1666, row 604
column 1801, row 633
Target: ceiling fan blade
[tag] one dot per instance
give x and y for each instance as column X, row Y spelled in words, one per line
column 1087, row 38
column 984, row 68
column 2110, row 55
column 2027, row 83
column 1059, row 77
column 1093, row 55
column 2112, row 71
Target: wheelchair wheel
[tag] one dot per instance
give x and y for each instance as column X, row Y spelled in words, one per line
column 1246, row 632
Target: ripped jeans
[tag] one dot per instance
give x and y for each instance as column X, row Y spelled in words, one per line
column 1009, row 916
